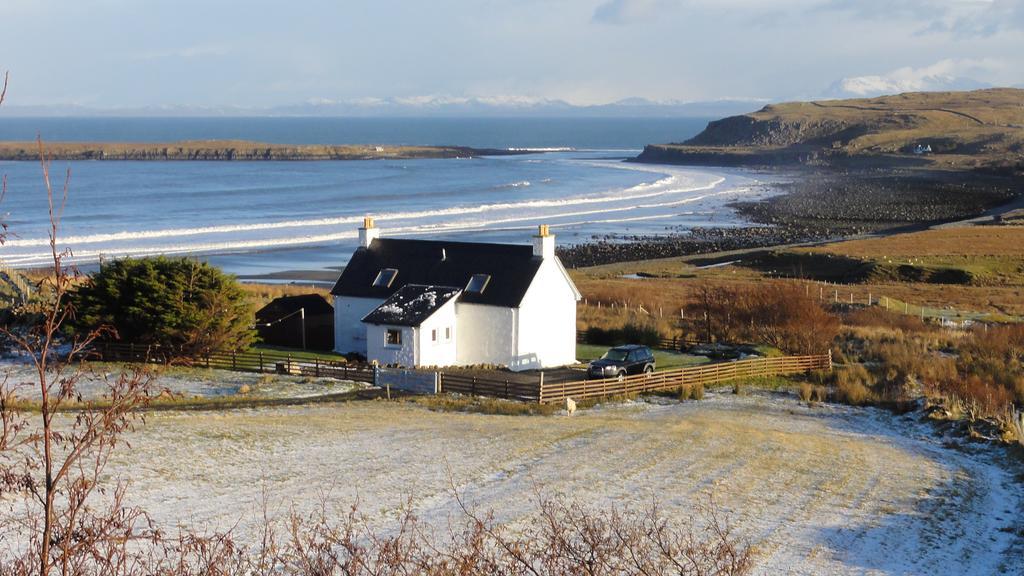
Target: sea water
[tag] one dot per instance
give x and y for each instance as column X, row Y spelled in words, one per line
column 269, row 217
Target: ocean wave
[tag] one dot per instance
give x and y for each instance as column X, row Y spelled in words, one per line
column 662, row 187
column 552, row 149
column 558, row 217
column 520, row 184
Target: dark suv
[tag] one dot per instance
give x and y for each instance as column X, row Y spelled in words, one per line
column 621, row 361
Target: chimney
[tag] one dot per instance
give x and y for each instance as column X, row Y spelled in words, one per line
column 368, row 232
column 544, row 243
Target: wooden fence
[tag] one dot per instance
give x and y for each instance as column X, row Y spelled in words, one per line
column 494, row 387
column 673, row 379
column 511, row 388
column 262, row 362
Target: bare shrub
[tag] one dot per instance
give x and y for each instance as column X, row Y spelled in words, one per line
column 784, row 316
column 820, row 394
column 853, row 393
column 852, row 385
column 560, row 538
column 1015, row 425
column 54, row 463
column 780, row 315
column 697, row 391
column 874, row 316
column 806, row 391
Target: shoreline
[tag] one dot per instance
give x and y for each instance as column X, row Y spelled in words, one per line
column 236, row 150
column 822, row 206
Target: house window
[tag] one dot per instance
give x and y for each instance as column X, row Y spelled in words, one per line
column 478, row 283
column 448, row 333
column 385, row 277
column 433, row 335
column 393, row 337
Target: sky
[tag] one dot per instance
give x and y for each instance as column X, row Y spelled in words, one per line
column 259, row 53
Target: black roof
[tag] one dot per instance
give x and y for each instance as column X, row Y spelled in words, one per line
column 411, row 305
column 313, row 303
column 441, row 263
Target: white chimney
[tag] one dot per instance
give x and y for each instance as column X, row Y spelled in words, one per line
column 544, row 243
column 368, row 232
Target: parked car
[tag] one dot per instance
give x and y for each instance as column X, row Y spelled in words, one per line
column 622, row 361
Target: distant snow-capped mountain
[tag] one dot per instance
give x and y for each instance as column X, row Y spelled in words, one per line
column 413, row 106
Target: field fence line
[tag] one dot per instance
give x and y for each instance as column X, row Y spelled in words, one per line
column 438, row 381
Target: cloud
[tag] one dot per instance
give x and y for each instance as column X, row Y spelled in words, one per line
column 949, row 74
column 997, row 16
column 961, row 18
column 621, row 12
column 886, row 9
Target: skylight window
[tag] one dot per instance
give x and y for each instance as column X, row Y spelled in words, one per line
column 385, row 277
column 478, row 283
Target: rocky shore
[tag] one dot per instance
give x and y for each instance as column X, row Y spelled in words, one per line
column 612, row 249
column 226, row 150
column 819, row 206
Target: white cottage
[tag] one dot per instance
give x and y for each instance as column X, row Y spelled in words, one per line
column 439, row 303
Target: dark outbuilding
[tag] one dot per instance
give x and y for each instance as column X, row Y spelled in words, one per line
column 281, row 322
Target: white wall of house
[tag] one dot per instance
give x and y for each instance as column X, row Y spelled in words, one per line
column 441, row 351
column 547, row 321
column 349, row 330
column 485, row 335
column 378, row 349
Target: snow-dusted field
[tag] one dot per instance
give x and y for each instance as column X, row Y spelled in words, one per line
column 825, row 490
column 187, row 382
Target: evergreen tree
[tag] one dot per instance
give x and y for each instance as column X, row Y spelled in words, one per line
column 184, row 306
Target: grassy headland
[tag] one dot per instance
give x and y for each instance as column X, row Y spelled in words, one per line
column 231, row 150
column 982, row 129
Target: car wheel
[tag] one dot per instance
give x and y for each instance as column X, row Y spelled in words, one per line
column 621, row 375
column 648, row 369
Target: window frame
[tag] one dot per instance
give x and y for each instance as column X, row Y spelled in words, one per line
column 486, row 282
column 395, row 342
column 377, row 281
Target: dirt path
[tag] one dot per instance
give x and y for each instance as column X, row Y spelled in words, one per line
column 828, row 490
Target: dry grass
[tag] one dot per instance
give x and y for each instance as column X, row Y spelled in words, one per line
column 668, row 295
column 962, row 241
column 262, row 294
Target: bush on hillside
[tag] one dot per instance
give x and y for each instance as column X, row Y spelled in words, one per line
column 179, row 304
column 628, row 334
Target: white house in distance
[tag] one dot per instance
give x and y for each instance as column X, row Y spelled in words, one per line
column 438, row 303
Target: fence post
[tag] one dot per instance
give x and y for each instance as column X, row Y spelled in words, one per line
column 506, row 388
column 207, row 359
column 261, row 362
column 234, row 363
column 289, row 369
column 829, row 359
column 472, row 388
column 316, row 363
column 540, row 389
column 131, row 351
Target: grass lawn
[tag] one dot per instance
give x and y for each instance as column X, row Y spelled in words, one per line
column 297, row 353
column 663, row 359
